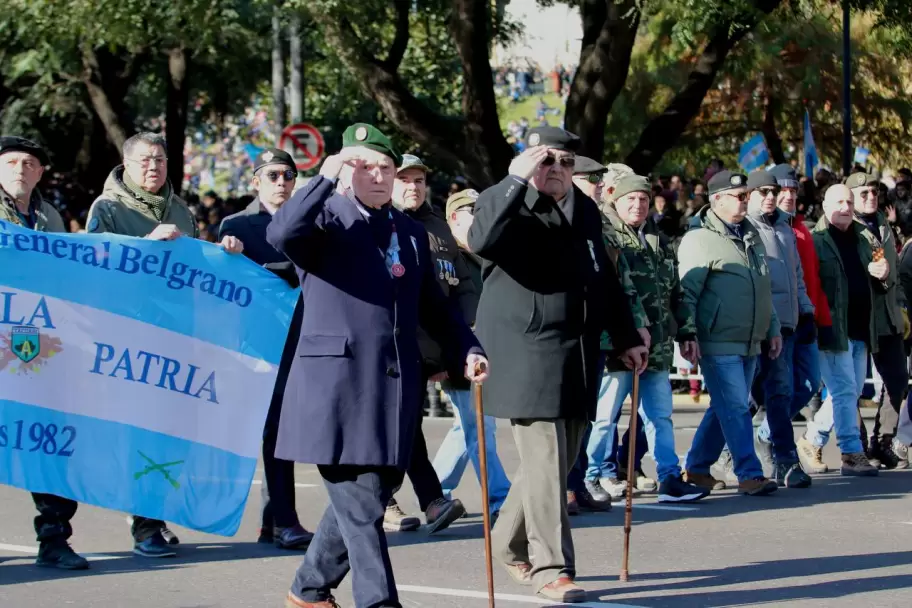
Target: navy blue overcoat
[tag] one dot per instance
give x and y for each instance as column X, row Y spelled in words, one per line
column 354, row 391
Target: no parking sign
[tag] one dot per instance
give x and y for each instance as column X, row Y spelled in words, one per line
column 305, row 144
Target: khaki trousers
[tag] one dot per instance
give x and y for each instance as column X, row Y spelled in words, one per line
column 533, row 526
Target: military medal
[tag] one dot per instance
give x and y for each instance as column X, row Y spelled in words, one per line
column 592, row 253
column 397, row 270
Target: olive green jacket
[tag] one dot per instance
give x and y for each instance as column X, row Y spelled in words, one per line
column 117, row 211
column 725, row 282
column 836, row 286
column 47, row 219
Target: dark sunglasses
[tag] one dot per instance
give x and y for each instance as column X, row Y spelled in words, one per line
column 741, row 197
column 288, row 174
column 565, row 161
column 767, row 191
column 865, row 193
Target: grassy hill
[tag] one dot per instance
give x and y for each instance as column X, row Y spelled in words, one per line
column 507, row 110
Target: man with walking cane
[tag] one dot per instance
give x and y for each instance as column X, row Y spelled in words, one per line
column 549, row 291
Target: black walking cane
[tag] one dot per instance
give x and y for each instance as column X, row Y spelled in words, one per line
column 631, row 476
column 483, row 466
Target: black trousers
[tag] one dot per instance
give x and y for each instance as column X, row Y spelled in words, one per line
column 420, row 470
column 54, row 515
column 350, row 537
column 892, row 365
column 278, row 491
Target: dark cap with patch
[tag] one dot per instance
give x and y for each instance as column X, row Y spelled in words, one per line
column 761, row 179
column 463, row 198
column 553, row 137
column 786, row 175
column 10, row 143
column 273, row 156
column 726, row 180
column 859, row 180
column 586, row 166
column 368, row 136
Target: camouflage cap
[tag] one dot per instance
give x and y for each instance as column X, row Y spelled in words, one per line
column 613, row 173
column 369, row 136
column 858, row 180
column 463, row 198
column 410, row 161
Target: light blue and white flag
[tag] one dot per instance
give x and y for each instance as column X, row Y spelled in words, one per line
column 811, row 159
column 754, row 153
column 862, row 155
column 134, row 374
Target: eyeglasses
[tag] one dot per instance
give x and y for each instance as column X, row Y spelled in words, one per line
column 768, row 191
column 565, row 161
column 149, row 160
column 864, row 194
column 741, row 197
column 594, row 178
column 288, row 174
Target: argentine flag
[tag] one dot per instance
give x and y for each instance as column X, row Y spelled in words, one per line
column 811, row 159
column 754, row 153
column 136, row 375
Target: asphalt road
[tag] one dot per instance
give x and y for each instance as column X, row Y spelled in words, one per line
column 844, row 542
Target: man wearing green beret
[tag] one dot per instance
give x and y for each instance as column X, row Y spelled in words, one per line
column 354, row 390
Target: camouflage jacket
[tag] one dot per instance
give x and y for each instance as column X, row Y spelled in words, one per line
column 654, row 273
column 640, row 318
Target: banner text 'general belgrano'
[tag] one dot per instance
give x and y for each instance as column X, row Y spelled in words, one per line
column 129, row 260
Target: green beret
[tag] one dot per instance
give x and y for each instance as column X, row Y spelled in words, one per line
column 630, row 183
column 463, row 198
column 369, row 136
column 858, row 180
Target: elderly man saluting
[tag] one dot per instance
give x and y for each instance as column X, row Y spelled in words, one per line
column 549, row 290
column 354, row 391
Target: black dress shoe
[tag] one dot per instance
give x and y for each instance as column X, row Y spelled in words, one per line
column 266, row 536
column 593, row 497
column 295, row 537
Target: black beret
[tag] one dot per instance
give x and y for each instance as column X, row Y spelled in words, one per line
column 726, row 180
column 553, row 137
column 273, row 156
column 586, row 166
column 761, row 179
column 11, row 143
column 785, row 175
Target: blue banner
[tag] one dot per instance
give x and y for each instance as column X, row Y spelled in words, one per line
column 136, row 374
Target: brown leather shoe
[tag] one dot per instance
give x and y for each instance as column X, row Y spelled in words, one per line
column 707, row 482
column 563, row 590
column 293, row 601
column 572, row 505
column 761, row 486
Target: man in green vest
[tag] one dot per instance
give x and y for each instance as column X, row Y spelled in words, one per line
column 139, row 201
column 22, row 164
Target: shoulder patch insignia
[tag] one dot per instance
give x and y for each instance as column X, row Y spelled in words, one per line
column 93, row 225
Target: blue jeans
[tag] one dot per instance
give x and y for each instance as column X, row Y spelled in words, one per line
column 805, row 384
column 728, row 379
column 461, row 445
column 655, row 407
column 844, row 376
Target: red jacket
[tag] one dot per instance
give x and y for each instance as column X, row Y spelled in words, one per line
column 810, row 264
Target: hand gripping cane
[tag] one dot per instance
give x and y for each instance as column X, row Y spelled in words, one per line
column 483, row 466
column 631, row 475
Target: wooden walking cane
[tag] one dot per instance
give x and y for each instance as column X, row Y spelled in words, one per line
column 483, row 466
column 631, row 476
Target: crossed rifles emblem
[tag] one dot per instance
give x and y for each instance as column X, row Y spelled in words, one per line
column 161, row 468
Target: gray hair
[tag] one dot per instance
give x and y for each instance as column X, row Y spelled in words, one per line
column 153, row 139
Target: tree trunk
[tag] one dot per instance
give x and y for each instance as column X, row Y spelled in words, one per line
column 663, row 132
column 609, row 31
column 297, row 69
column 103, row 99
column 178, row 99
column 770, row 132
column 278, row 74
column 473, row 146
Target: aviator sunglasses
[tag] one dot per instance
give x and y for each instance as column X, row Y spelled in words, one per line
column 565, row 161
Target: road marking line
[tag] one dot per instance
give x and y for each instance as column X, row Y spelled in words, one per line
column 664, row 507
column 34, row 551
column 258, row 482
column 507, row 597
column 841, row 483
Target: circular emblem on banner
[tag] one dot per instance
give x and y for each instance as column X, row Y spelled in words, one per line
column 534, row 139
column 361, row 133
